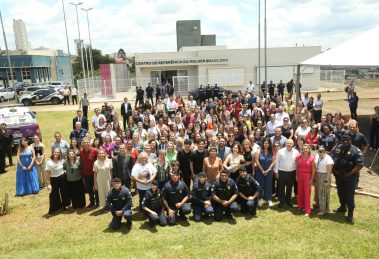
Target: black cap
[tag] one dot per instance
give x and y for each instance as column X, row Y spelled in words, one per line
column 346, row 136
column 242, row 168
column 116, row 180
column 201, row 174
column 154, row 182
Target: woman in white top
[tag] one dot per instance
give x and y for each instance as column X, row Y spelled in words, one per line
column 172, row 106
column 108, row 132
column 153, row 129
column 141, row 131
column 57, row 185
column 143, row 173
column 102, row 169
column 324, row 165
column 302, row 130
column 233, row 161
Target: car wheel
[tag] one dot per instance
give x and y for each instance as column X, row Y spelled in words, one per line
column 26, row 102
column 55, row 101
column 2, row 99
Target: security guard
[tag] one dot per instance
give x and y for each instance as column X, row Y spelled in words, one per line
column 3, row 148
column 152, row 205
column 201, row 197
column 348, row 160
column 201, row 92
column 208, row 91
column 175, row 195
column 224, row 193
column 248, row 191
column 119, row 202
column 216, row 91
column 149, row 93
column 140, row 94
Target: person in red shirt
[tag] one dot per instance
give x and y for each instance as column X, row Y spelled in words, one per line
column 312, row 137
column 88, row 156
column 237, row 107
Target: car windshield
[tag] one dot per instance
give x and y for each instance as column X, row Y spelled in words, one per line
column 17, row 119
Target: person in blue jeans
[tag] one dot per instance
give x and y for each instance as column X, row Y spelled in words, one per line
column 119, row 202
column 265, row 160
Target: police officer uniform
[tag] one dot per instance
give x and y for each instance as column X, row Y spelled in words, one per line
column 157, row 93
column 3, row 148
column 347, row 158
column 200, row 194
column 248, row 186
column 208, row 91
column 224, row 191
column 139, row 98
column 120, row 200
column 153, row 201
column 201, row 92
column 216, row 90
column 174, row 193
column 149, row 92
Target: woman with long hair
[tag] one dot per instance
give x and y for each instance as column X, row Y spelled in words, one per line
column 102, row 169
column 265, row 161
column 75, row 185
column 248, row 156
column 232, row 162
column 26, row 175
column 312, row 137
column 39, row 151
column 117, row 128
column 305, row 173
column 74, row 145
column 96, row 144
column 108, row 146
column 212, row 165
column 131, row 124
column 58, row 198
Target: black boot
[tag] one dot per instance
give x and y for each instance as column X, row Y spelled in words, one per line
column 350, row 214
column 341, row 209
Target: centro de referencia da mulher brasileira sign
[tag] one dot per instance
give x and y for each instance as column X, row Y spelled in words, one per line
column 190, row 61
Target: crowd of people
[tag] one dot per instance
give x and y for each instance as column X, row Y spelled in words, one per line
column 213, row 157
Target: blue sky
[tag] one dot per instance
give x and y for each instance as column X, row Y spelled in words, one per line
column 149, row 26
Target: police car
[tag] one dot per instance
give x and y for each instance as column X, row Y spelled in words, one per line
column 45, row 95
column 21, row 122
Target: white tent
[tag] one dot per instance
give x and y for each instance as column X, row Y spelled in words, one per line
column 362, row 50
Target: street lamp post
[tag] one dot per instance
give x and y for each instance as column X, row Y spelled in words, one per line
column 265, row 49
column 90, row 43
column 259, row 47
column 68, row 45
column 6, row 48
column 81, row 44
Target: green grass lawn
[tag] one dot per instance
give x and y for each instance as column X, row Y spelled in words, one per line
column 26, row 232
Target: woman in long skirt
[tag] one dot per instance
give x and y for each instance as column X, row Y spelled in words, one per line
column 26, row 175
column 102, row 169
column 75, row 185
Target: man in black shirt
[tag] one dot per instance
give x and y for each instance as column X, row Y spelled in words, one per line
column 149, row 93
column 224, row 194
column 197, row 158
column 201, row 197
column 248, row 191
column 184, row 159
column 280, row 88
column 152, row 205
column 175, row 195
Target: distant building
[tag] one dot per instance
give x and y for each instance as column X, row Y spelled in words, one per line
column 188, row 34
column 35, row 66
column 20, row 35
column 78, row 45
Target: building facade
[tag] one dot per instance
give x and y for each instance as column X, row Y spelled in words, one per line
column 188, row 33
column 229, row 68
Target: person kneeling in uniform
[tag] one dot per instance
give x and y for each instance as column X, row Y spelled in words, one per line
column 119, row 202
column 152, row 205
column 224, row 193
column 201, row 197
column 175, row 195
column 248, row 191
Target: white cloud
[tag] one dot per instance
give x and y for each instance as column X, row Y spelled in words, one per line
column 149, row 26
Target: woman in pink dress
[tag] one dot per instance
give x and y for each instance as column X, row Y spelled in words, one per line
column 305, row 173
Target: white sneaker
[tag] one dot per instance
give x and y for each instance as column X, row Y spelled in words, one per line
column 260, row 202
column 270, row 204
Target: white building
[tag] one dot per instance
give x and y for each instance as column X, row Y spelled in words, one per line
column 20, row 35
column 230, row 68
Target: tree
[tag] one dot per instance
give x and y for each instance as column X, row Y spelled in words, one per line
column 98, row 58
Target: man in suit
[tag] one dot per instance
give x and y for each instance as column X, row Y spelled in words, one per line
column 126, row 111
column 122, row 166
column 83, row 120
